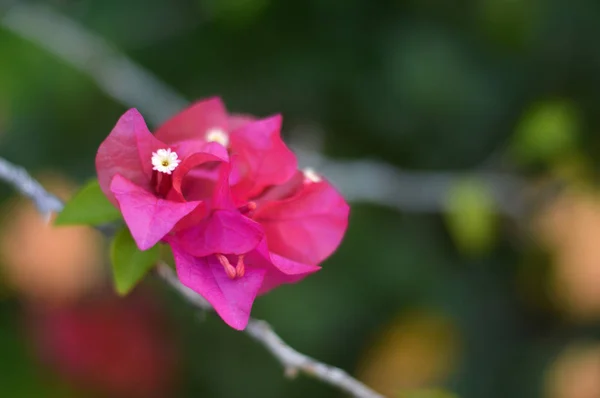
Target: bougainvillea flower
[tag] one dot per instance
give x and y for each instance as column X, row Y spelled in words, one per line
column 225, row 192
column 142, row 175
column 270, row 224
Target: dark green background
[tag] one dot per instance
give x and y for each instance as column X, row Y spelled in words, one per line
column 425, row 85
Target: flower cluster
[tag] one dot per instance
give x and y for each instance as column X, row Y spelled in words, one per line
column 225, row 193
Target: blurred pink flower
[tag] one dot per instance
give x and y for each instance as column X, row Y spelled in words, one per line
column 112, row 346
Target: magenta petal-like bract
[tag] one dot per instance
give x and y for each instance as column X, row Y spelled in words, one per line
column 148, row 217
column 127, row 151
column 262, row 156
column 224, row 232
column 280, row 270
column 197, row 187
column 236, row 121
column 307, row 227
column 194, row 122
column 231, row 298
column 191, row 147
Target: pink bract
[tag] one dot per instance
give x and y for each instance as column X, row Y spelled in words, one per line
column 151, row 202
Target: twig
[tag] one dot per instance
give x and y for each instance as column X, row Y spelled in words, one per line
column 292, row 360
column 134, row 86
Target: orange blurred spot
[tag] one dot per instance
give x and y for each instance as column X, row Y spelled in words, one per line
column 417, row 350
column 570, row 228
column 574, row 374
column 45, row 262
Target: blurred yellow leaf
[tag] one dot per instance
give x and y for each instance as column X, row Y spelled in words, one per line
column 471, row 217
column 417, row 350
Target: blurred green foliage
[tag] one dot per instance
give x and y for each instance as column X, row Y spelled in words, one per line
column 547, row 131
column 471, row 216
column 422, row 84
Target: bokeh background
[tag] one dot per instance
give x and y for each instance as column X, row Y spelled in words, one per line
column 482, row 117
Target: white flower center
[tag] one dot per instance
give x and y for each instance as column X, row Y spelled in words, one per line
column 217, row 135
column 311, row 176
column 165, row 161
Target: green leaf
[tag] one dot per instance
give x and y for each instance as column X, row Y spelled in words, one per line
column 471, row 216
column 129, row 263
column 89, row 206
column 166, row 255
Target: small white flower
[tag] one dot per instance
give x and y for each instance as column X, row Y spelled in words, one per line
column 165, row 161
column 217, row 135
column 311, row 176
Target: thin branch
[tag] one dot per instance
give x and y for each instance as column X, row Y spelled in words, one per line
column 132, row 85
column 18, row 177
column 117, row 75
column 292, row 360
column 373, row 181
